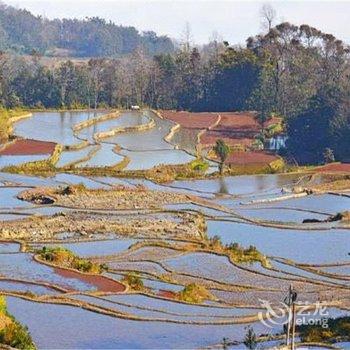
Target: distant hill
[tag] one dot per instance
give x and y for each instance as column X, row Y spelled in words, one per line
column 22, row 32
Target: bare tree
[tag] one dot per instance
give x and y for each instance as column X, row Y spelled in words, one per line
column 186, row 38
column 268, row 16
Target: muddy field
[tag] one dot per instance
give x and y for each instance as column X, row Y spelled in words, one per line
column 192, row 120
column 28, row 147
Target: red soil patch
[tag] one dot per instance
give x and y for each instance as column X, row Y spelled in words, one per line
column 166, row 294
column 191, row 120
column 242, row 121
column 249, row 158
column 236, row 128
column 336, row 167
column 102, row 283
column 210, row 137
column 28, row 147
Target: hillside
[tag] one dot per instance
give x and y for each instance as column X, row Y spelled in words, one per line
column 22, row 32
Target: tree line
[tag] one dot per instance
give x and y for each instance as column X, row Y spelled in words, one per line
column 22, row 32
column 297, row 72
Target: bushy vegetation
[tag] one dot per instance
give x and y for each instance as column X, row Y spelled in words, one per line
column 5, row 121
column 339, row 327
column 194, row 293
column 236, row 252
column 134, row 281
column 13, row 334
column 65, row 258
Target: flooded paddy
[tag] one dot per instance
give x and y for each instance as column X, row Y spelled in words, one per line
column 70, row 157
column 17, row 160
column 238, row 185
column 97, row 248
column 22, row 266
column 125, row 119
column 302, row 246
column 147, row 140
column 53, row 126
column 77, row 328
column 105, row 156
column 148, row 159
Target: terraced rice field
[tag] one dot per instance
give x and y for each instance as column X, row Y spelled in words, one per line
column 168, row 236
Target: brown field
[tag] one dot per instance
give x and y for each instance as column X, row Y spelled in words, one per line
column 235, row 128
column 167, row 294
column 191, row 120
column 243, row 158
column 210, row 137
column 102, row 283
column 241, row 121
column 336, row 167
column 28, row 147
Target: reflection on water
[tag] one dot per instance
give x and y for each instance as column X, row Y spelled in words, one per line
column 17, row 160
column 125, row 119
column 302, row 246
column 149, row 159
column 52, row 126
column 66, row 327
column 152, row 139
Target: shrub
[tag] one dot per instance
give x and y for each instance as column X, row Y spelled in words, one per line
column 65, row 258
column 338, row 327
column 2, row 304
column 257, row 145
column 13, row 333
column 274, row 129
column 194, row 293
column 16, row 336
column 199, row 165
column 134, row 281
column 277, row 165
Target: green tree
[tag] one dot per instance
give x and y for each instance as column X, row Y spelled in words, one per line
column 222, row 150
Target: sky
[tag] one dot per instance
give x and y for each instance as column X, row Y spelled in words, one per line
column 234, row 21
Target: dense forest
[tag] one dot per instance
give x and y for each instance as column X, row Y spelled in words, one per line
column 297, row 72
column 22, row 32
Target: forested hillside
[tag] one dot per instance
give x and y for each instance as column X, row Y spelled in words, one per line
column 22, row 32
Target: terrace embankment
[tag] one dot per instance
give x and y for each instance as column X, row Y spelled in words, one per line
column 181, row 226
column 328, row 182
column 118, row 198
column 98, row 212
